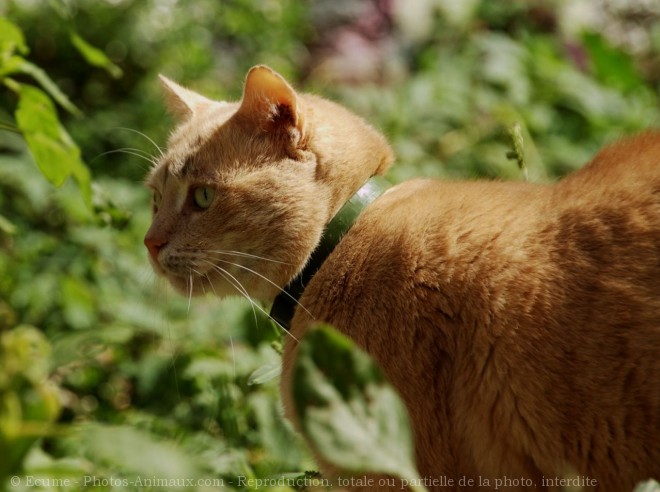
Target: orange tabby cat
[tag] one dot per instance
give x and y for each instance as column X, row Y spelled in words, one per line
column 519, row 322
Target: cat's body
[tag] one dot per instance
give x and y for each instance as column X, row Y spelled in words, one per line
column 524, row 319
column 519, row 322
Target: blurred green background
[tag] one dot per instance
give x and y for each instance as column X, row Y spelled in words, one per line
column 138, row 381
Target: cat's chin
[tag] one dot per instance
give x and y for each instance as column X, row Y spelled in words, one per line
column 201, row 286
column 190, row 286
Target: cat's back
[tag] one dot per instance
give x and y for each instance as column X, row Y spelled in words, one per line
column 520, row 322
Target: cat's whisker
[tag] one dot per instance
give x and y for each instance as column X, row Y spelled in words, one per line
column 160, row 150
column 202, row 276
column 240, row 287
column 130, row 151
column 231, row 340
column 233, row 354
column 222, row 271
column 246, row 255
column 270, row 282
column 190, row 290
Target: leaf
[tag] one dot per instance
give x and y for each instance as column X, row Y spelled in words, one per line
column 350, row 414
column 6, row 226
column 610, row 64
column 265, row 373
column 134, row 451
column 648, row 486
column 94, row 56
column 27, row 68
column 11, row 39
column 57, row 156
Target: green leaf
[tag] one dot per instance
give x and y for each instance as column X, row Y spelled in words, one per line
column 134, row 451
column 648, row 486
column 265, row 373
column 57, row 156
column 350, row 414
column 28, row 402
column 11, row 39
column 27, row 68
column 6, row 226
column 94, row 56
column 611, row 65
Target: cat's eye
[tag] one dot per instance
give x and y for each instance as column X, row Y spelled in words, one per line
column 203, row 196
column 155, row 200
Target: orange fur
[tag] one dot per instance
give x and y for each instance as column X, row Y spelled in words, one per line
column 519, row 322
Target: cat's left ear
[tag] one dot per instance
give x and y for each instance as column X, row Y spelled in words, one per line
column 271, row 103
column 181, row 102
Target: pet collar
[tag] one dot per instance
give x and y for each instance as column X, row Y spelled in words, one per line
column 285, row 303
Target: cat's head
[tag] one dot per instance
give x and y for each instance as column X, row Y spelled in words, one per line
column 244, row 190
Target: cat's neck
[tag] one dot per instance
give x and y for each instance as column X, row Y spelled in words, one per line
column 285, row 303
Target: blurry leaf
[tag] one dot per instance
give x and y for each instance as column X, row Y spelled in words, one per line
column 11, row 39
column 611, row 65
column 208, row 368
column 350, row 414
column 29, row 403
column 24, row 351
column 37, row 462
column 458, row 13
column 128, row 450
column 6, row 226
column 504, row 65
column 265, row 373
column 276, row 435
column 648, row 486
column 77, row 302
column 94, row 56
column 84, row 344
column 55, row 153
column 27, row 68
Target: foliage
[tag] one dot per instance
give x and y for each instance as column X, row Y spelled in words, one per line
column 55, row 153
column 148, row 384
column 28, row 402
column 648, row 486
column 348, row 411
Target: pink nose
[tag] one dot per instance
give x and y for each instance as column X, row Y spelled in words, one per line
column 154, row 244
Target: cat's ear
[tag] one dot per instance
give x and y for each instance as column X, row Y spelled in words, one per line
column 270, row 102
column 181, row 102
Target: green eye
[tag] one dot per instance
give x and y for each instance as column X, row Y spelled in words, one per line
column 203, row 196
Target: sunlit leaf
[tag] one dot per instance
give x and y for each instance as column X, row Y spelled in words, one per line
column 278, row 438
column 265, row 373
column 11, row 39
column 57, row 156
column 94, row 56
column 6, row 226
column 139, row 452
column 648, row 486
column 350, row 414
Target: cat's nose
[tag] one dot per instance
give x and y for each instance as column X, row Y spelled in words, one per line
column 154, row 244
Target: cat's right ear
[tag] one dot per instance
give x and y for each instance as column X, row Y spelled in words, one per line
column 270, row 103
column 181, row 102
